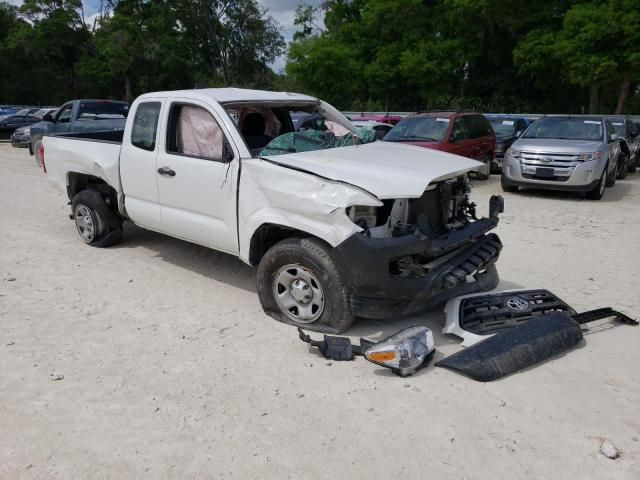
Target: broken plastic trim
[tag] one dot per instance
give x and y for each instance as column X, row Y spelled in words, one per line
column 336, row 348
column 526, row 344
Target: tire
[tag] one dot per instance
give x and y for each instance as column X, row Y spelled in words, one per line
column 96, row 223
column 597, row 192
column 623, row 161
column 283, row 273
column 506, row 187
column 633, row 166
column 36, row 153
column 30, row 149
column 611, row 179
column 486, row 170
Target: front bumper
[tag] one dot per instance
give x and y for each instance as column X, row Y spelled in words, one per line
column 581, row 178
column 20, row 140
column 458, row 269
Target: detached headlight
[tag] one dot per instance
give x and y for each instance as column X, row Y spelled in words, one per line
column 404, row 352
column 513, row 152
column 588, row 156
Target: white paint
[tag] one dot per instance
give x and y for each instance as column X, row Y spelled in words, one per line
column 385, row 169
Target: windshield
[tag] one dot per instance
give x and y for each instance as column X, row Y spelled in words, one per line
column 566, row 129
column 619, row 128
column 103, row 111
column 503, row 128
column 419, row 129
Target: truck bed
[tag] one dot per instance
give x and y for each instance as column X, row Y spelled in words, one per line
column 91, row 153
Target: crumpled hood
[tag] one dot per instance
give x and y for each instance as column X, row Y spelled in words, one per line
column 387, row 170
column 550, row 145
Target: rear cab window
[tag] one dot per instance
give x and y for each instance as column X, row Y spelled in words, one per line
column 103, row 110
column 145, row 126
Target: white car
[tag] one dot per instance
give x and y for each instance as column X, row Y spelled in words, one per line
column 373, row 230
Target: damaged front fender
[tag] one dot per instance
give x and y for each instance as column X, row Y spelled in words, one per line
column 272, row 194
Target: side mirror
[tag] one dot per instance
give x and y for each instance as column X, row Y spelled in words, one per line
column 454, row 137
column 613, row 137
column 518, row 133
column 47, row 117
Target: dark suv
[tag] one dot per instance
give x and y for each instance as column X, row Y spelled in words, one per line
column 629, row 135
column 468, row 134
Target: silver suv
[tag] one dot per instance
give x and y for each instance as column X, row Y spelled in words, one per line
column 571, row 153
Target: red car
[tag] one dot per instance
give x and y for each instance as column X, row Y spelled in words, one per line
column 390, row 119
column 467, row 134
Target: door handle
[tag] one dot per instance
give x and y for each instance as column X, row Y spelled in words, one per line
column 166, row 171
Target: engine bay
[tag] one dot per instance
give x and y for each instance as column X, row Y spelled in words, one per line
column 444, row 206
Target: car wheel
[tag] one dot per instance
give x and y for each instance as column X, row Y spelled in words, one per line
column 633, row 165
column 597, row 192
column 611, row 178
column 623, row 166
column 299, row 284
column 30, row 149
column 97, row 225
column 507, row 187
column 483, row 172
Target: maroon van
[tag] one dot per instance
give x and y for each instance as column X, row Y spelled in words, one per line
column 468, row 134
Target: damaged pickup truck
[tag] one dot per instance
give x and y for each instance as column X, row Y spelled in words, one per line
column 337, row 228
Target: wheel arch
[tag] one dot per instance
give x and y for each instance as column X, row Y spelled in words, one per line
column 268, row 234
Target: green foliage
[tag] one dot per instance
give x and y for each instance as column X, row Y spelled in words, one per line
column 48, row 54
column 537, row 56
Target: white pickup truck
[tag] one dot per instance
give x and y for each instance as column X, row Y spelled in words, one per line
column 372, row 230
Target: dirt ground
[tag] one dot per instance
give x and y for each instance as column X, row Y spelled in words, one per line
column 171, row 369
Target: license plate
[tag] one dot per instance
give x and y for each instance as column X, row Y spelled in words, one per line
column 545, row 172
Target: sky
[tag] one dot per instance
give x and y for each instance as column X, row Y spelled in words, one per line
column 282, row 11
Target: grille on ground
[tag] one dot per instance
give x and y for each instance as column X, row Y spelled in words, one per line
column 492, row 312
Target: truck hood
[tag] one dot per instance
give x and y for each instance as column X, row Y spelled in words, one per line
column 386, row 170
column 547, row 145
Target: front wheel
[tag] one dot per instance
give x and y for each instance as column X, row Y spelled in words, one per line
column 597, row 192
column 299, row 284
column 633, row 165
column 97, row 225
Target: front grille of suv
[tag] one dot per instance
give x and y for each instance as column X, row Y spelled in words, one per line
column 562, row 164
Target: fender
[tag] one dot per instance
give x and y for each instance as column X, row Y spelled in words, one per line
column 284, row 196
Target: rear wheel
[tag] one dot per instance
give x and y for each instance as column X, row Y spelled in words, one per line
column 633, row 165
column 597, row 192
column 299, row 284
column 97, row 225
column 483, row 172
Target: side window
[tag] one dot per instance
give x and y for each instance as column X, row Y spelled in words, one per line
column 460, row 130
column 145, row 126
column 474, row 128
column 194, row 132
column 65, row 114
column 610, row 130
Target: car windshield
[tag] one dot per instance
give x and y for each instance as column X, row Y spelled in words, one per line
column 419, row 129
column 566, row 129
column 103, row 111
column 503, row 128
column 618, row 125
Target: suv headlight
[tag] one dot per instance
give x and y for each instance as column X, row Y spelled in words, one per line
column 512, row 152
column 588, row 156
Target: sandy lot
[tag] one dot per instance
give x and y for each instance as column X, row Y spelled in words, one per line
column 171, row 370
